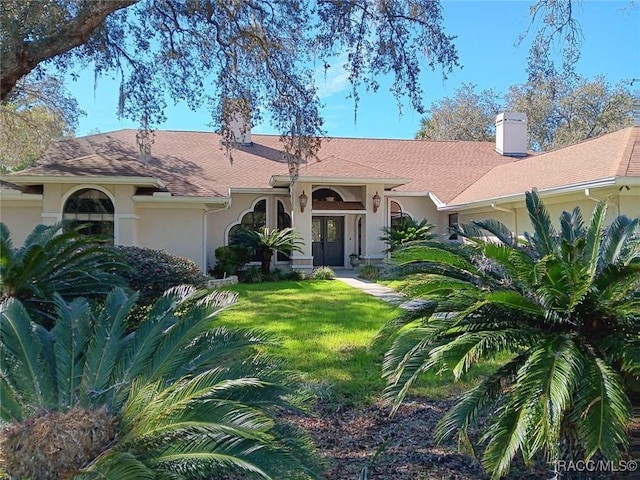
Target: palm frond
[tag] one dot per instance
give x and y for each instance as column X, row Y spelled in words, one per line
column 71, row 334
column 498, row 230
column 619, row 245
column 23, row 341
column 471, row 403
column 544, row 236
column 602, row 410
column 106, row 348
column 507, row 435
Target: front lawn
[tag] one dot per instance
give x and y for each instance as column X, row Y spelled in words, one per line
column 326, row 329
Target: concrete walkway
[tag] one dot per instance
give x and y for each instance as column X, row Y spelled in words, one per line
column 379, row 291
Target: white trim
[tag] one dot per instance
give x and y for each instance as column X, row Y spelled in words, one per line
column 106, row 180
column 302, row 257
column 175, row 199
column 57, row 216
column 261, row 191
column 126, row 216
column 243, row 213
column 278, row 180
column 396, row 193
column 333, row 213
column 572, row 188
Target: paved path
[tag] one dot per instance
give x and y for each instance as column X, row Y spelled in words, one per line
column 380, row 291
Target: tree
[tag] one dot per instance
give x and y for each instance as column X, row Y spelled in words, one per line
column 178, row 398
column 464, row 116
column 55, row 262
column 270, row 241
column 210, row 51
column 560, row 111
column 563, row 111
column 36, row 113
column 563, row 310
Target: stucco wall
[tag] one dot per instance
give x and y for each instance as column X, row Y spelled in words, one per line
column 20, row 217
column 623, row 202
column 176, row 230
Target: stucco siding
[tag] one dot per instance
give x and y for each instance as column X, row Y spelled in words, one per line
column 20, row 217
column 176, row 230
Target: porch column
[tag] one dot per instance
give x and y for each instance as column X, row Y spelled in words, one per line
column 374, row 247
column 301, row 222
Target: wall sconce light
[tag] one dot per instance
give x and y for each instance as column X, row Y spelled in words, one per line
column 376, row 202
column 303, row 201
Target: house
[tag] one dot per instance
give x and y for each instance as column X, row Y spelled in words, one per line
column 187, row 198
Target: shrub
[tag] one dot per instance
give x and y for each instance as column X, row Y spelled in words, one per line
column 323, row 273
column 293, row 275
column 369, row 272
column 563, row 310
column 55, row 259
column 253, row 274
column 154, row 271
column 190, row 398
column 229, row 259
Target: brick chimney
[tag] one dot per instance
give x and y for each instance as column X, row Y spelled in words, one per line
column 511, row 134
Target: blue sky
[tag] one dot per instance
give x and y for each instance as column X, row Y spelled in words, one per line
column 487, row 34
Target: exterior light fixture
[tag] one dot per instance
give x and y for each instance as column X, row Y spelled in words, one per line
column 303, row 201
column 376, row 202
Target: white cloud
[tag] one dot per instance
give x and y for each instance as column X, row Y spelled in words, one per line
column 333, row 80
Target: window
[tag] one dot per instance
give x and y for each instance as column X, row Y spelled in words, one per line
column 397, row 214
column 324, row 194
column 93, row 210
column 453, row 225
column 284, row 221
column 253, row 220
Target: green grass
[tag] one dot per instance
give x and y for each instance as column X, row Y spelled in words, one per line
column 325, row 330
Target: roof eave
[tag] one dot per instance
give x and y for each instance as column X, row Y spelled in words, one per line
column 285, row 180
column 180, row 199
column 258, row 190
column 605, row 182
column 103, row 179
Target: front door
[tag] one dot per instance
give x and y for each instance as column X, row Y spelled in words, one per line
column 328, row 241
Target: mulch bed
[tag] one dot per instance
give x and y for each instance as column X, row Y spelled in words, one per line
column 349, row 438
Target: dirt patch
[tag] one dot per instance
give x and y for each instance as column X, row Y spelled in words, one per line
column 349, row 438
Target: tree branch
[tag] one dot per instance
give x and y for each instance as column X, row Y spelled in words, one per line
column 26, row 55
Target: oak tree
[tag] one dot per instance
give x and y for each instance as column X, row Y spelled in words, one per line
column 206, row 51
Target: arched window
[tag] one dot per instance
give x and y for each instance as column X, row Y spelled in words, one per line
column 253, row 220
column 284, row 221
column 397, row 214
column 93, row 209
column 324, row 194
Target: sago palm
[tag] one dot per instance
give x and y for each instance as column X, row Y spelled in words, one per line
column 270, row 241
column 562, row 310
column 178, row 398
column 408, row 231
column 55, row 260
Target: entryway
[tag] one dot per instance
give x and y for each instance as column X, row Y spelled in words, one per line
column 328, row 241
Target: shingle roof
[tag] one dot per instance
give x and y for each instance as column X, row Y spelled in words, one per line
column 612, row 155
column 195, row 163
